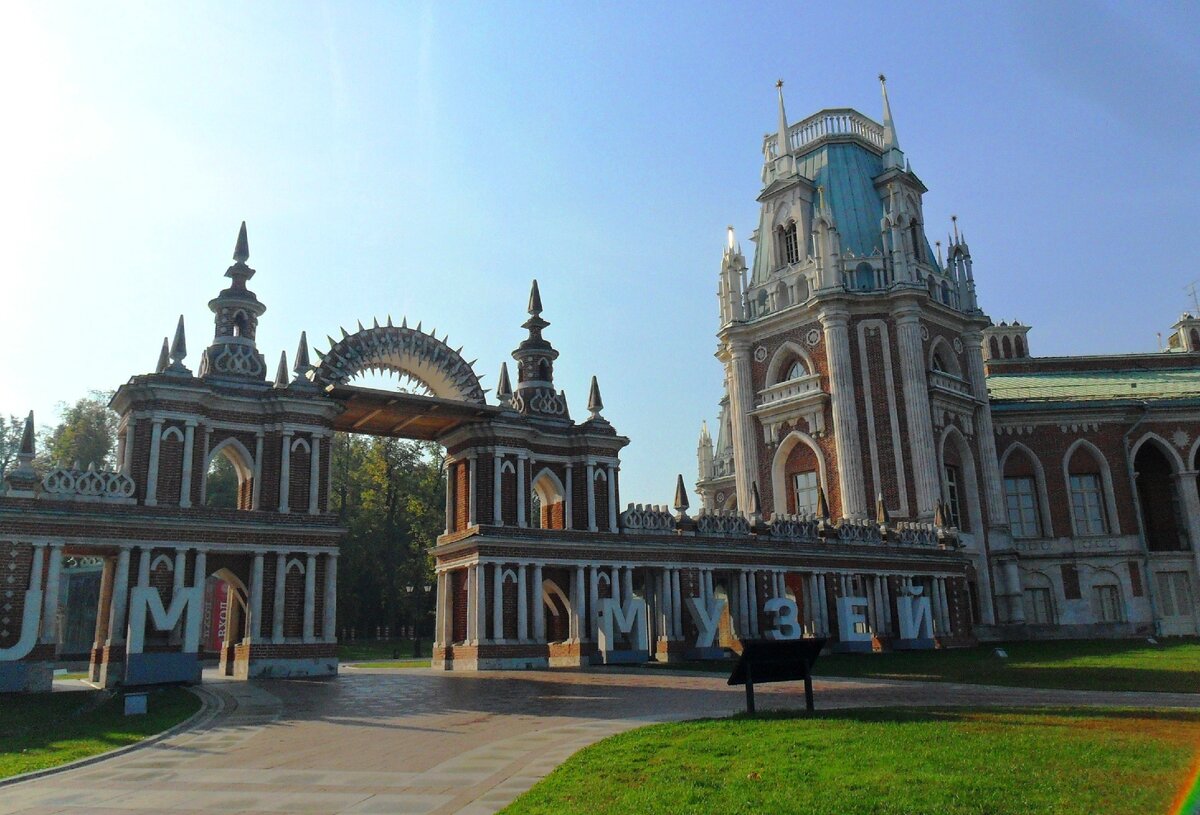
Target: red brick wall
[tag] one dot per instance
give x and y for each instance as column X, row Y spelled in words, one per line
column 298, row 477
column 462, row 494
column 170, row 466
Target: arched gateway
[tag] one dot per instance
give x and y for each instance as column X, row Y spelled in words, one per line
column 535, row 553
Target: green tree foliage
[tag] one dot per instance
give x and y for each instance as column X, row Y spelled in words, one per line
column 11, row 430
column 390, row 494
column 87, row 434
column 221, row 489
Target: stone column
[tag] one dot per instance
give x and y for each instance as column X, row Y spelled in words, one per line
column 280, row 589
column 614, row 584
column 179, row 578
column 120, row 599
column 127, row 452
column 581, row 627
column 256, row 592
column 612, row 499
column 285, row 470
column 916, row 408
column 591, row 630
column 993, row 487
column 185, row 477
column 497, row 508
column 1012, row 577
column 256, row 487
column 152, row 472
column 314, row 476
column 662, row 587
column 745, row 445
column 481, row 602
column 836, row 322
column 498, row 602
column 329, row 618
column 676, row 605
column 539, row 608
column 522, row 605
column 49, row 633
column 310, row 598
column 626, row 585
column 471, row 588
column 450, row 484
column 591, row 496
column 521, row 513
column 472, row 486
column 105, row 605
column 441, row 610
column 568, row 502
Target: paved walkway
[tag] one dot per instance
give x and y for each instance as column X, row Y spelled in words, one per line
column 419, row 741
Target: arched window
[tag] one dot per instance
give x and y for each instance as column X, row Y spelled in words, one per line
column 1085, row 480
column 795, row 371
column 939, row 364
column 240, row 323
column 781, row 295
column 945, row 293
column 1022, row 496
column 1195, row 339
column 1019, row 346
column 547, row 502
column 993, row 348
column 914, row 235
column 1006, row 343
column 789, row 247
column 864, row 276
column 229, row 478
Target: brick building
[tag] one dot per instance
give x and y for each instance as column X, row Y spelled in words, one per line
column 860, row 370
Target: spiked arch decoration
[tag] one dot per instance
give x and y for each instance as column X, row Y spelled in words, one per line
column 400, row 350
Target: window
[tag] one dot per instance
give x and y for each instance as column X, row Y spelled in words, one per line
column 1106, row 604
column 535, row 510
column 1038, row 608
column 789, row 247
column 864, row 277
column 795, row 371
column 1022, row 507
column 1174, row 594
column 914, row 235
column 945, row 293
column 953, row 504
column 805, row 486
column 1087, row 505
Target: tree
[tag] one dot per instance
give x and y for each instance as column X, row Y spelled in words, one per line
column 221, row 488
column 11, row 431
column 86, row 434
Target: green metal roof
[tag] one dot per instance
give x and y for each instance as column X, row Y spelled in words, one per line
column 1088, row 386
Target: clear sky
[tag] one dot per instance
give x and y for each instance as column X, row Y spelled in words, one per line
column 430, row 159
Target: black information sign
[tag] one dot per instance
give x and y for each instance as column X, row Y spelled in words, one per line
column 776, row 661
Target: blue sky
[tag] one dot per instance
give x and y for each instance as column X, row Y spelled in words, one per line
column 430, row 159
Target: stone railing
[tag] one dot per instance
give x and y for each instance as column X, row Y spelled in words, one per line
column 850, row 531
column 828, row 124
column 91, row 484
column 647, row 518
column 949, row 382
column 722, row 522
column 914, row 534
column 791, row 389
column 794, row 527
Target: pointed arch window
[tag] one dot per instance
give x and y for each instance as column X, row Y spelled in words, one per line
column 795, row 371
column 914, row 235
column 789, row 244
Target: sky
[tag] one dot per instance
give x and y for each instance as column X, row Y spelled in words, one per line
column 431, row 159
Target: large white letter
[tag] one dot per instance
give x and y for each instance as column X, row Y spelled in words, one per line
column 916, row 615
column 144, row 598
column 707, row 619
column 787, row 623
column 848, row 619
column 631, row 620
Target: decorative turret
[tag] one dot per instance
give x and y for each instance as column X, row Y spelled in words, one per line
column 535, row 394
column 233, row 353
column 704, row 453
column 893, row 157
column 22, row 481
column 732, row 281
column 504, row 391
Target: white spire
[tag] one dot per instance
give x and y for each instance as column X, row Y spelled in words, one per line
column 782, row 149
column 893, row 158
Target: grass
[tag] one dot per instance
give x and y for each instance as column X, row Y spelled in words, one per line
column 47, row 729
column 1108, row 665
column 883, row 762
column 394, row 663
column 380, row 650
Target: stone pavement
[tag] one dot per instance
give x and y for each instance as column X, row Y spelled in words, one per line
column 420, row 741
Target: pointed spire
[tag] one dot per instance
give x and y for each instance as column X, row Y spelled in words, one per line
column 822, row 510
column 302, row 363
column 27, row 439
column 754, row 511
column 783, row 147
column 241, row 250
column 281, row 373
column 954, row 223
column 681, row 499
column 535, row 300
column 890, row 142
column 595, row 403
column 881, row 514
column 179, row 344
column 164, row 358
column 939, row 514
column 504, row 390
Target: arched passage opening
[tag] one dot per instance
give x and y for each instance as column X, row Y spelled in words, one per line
column 229, row 477
column 548, row 501
column 1158, row 499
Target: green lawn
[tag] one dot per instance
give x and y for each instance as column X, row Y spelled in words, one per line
column 884, row 762
column 46, row 729
column 376, row 651
column 394, row 663
column 1115, row 665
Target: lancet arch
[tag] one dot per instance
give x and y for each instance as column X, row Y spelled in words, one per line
column 400, row 350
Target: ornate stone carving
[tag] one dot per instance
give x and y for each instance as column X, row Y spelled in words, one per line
column 722, row 522
column 647, row 518
column 91, row 483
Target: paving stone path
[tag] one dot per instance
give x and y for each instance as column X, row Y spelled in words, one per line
column 419, row 741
